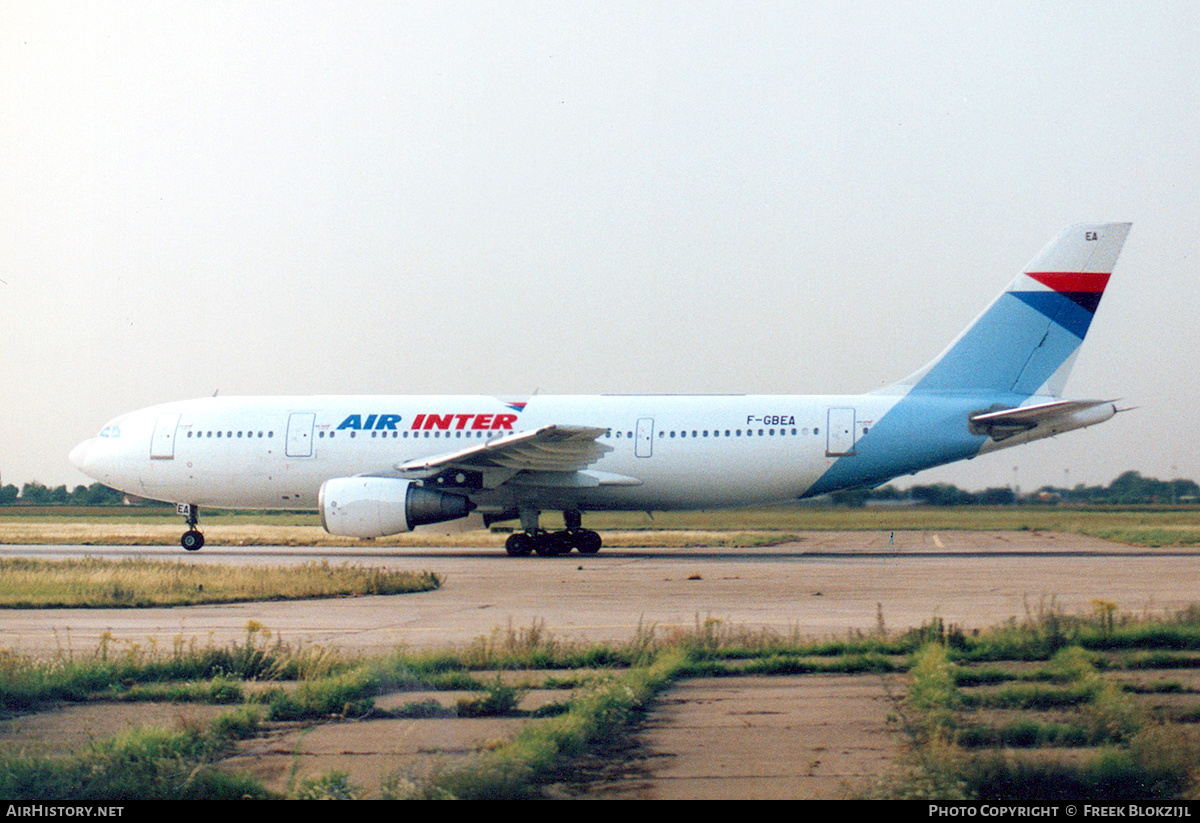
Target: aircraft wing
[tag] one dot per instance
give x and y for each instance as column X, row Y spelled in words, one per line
column 549, row 456
column 1008, row 422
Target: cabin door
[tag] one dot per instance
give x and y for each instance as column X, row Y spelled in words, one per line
column 162, row 444
column 299, row 434
column 839, row 435
column 644, row 446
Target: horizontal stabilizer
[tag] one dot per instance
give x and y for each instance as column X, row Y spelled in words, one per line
column 1062, row 415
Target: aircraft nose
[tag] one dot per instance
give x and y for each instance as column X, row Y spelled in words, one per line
column 78, row 455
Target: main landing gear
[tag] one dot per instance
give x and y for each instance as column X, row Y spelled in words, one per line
column 551, row 544
column 193, row 538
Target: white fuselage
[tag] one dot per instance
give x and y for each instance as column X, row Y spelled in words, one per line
column 275, row 452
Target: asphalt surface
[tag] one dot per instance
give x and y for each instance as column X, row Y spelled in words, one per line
column 825, row 584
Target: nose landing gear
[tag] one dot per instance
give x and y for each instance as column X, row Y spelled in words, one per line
column 193, row 538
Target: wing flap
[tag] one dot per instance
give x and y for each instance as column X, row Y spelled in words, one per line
column 574, row 480
column 549, row 449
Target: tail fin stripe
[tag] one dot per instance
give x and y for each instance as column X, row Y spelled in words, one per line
column 1071, row 311
column 1084, row 288
column 1072, row 281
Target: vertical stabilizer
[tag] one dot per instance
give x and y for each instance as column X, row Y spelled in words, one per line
column 1026, row 341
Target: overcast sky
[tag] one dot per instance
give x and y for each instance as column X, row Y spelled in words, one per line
column 441, row 197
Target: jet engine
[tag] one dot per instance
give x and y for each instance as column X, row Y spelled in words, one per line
column 379, row 506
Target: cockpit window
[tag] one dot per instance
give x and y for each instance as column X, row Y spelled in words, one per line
column 111, row 431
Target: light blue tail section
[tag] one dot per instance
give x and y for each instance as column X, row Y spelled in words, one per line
column 1023, row 344
column 1026, row 340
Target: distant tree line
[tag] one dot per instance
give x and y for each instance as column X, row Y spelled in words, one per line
column 1130, row 488
column 37, row 494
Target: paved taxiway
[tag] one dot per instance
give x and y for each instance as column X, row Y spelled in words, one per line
column 826, row 583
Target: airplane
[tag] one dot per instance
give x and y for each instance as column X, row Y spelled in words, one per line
column 380, row 465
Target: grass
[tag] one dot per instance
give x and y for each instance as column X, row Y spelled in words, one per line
column 100, row 583
column 539, row 753
column 124, row 670
column 987, row 716
column 146, row 763
column 1144, row 526
column 183, row 763
column 956, row 754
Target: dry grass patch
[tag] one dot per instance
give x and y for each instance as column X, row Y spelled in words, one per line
column 99, row 583
column 768, row 525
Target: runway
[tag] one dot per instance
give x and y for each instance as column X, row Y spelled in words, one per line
column 826, row 584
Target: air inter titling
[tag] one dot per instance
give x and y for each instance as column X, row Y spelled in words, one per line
column 445, row 422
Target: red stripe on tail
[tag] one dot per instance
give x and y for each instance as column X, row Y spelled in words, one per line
column 1072, row 281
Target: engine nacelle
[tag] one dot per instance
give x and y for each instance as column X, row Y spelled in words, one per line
column 379, row 506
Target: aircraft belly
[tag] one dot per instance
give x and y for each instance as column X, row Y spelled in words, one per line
column 668, row 489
